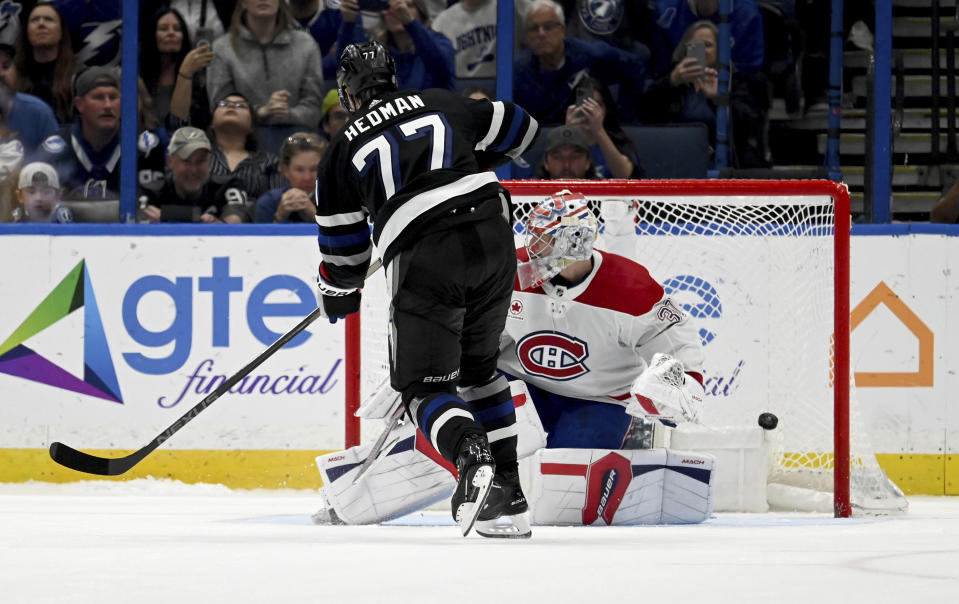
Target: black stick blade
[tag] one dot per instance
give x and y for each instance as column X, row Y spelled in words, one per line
column 69, row 457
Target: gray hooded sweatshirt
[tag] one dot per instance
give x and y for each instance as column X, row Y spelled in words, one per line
column 291, row 61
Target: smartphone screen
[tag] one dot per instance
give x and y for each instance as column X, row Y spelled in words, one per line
column 204, row 36
column 583, row 93
column 374, row 5
column 696, row 49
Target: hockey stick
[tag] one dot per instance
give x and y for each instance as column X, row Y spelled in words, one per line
column 105, row 466
column 395, row 418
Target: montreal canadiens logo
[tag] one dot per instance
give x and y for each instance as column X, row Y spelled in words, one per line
column 553, row 355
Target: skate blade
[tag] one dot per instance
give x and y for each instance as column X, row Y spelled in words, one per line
column 467, row 512
column 505, row 527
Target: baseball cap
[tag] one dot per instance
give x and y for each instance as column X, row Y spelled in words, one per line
column 94, row 77
column 566, row 135
column 38, row 174
column 186, row 140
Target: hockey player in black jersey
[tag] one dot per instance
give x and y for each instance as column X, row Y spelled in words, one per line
column 417, row 165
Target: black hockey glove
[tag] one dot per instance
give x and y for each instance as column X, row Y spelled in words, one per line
column 336, row 302
column 337, row 307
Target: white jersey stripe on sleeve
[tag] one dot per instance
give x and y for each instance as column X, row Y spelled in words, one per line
column 341, row 219
column 354, row 260
column 422, row 203
column 499, row 111
column 530, row 133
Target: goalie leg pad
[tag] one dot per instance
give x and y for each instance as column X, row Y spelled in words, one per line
column 621, row 487
column 529, row 429
column 407, row 476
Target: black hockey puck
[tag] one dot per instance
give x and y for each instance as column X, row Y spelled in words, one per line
column 768, row 421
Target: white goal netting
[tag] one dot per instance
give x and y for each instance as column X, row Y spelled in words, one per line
column 753, row 264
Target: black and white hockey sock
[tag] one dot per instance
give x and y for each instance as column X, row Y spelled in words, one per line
column 445, row 419
column 492, row 406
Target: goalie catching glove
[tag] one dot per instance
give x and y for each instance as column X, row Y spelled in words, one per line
column 336, row 302
column 664, row 392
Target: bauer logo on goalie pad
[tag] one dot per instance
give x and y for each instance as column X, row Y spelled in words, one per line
column 553, row 355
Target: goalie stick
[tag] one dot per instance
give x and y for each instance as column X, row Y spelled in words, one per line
column 378, row 445
column 113, row 466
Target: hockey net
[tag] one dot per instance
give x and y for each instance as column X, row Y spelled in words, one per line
column 762, row 268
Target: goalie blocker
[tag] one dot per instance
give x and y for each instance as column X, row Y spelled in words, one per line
column 568, row 486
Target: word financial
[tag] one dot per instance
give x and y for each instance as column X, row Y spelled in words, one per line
column 203, row 381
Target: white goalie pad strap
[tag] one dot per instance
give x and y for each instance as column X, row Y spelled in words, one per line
column 621, row 487
column 381, row 403
column 664, row 392
column 407, row 476
column 529, row 429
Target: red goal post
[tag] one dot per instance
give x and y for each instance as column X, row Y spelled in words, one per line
column 718, row 216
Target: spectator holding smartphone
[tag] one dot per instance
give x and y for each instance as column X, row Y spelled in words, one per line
column 169, row 66
column 274, row 65
column 424, row 58
column 610, row 148
column 672, row 18
column 687, row 94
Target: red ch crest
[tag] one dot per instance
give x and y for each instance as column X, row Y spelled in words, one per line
column 553, row 355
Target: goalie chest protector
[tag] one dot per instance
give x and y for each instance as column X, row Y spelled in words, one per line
column 587, row 339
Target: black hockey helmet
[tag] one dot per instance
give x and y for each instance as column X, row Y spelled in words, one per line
column 362, row 67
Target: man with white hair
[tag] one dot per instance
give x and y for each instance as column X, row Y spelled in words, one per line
column 546, row 74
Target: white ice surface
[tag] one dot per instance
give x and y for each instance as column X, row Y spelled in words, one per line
column 149, row 541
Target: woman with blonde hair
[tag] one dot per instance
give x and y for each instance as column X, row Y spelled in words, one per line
column 274, row 65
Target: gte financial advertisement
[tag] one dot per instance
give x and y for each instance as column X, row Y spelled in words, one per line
column 107, row 339
column 125, row 334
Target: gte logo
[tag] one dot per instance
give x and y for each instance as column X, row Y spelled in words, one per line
column 73, row 293
column 553, row 355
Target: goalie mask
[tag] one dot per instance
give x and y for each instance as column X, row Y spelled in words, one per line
column 364, row 67
column 560, row 231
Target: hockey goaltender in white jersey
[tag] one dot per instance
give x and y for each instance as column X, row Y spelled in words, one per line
column 593, row 342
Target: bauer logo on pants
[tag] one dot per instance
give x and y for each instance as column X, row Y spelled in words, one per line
column 553, row 355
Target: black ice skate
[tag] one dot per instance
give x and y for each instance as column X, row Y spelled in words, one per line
column 475, row 467
column 505, row 513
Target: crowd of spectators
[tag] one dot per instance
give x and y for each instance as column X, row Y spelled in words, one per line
column 253, row 75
